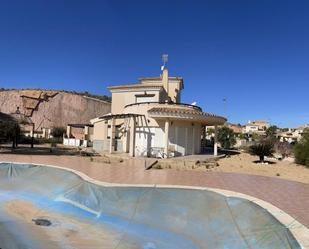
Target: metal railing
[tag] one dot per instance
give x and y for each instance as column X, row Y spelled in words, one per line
column 166, row 103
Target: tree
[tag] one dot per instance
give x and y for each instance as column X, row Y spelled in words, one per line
column 10, row 131
column 301, row 150
column 271, row 131
column 262, row 150
column 226, row 137
column 210, row 131
column 243, row 136
column 58, row 132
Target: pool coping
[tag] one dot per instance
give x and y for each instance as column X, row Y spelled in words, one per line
column 298, row 230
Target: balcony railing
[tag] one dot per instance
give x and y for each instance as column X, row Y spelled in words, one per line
column 167, row 103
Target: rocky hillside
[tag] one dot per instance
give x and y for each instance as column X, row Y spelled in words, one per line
column 48, row 109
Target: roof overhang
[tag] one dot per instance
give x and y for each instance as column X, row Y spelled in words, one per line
column 119, row 116
column 136, row 87
column 80, row 125
column 193, row 116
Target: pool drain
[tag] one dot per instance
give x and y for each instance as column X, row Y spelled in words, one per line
column 42, row 222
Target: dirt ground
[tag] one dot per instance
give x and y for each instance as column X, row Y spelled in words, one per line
column 245, row 163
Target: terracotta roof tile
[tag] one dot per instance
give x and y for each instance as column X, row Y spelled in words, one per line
column 174, row 110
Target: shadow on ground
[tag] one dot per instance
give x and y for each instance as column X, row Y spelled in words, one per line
column 229, row 152
column 39, row 150
column 265, row 162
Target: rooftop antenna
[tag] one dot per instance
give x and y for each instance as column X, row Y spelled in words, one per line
column 225, row 106
column 164, row 60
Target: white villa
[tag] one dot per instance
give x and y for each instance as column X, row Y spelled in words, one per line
column 148, row 119
column 259, row 126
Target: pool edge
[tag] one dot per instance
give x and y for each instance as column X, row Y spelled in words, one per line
column 298, row 230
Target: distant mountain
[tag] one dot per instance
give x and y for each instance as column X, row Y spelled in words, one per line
column 48, row 108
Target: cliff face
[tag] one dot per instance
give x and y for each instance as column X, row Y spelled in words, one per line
column 48, row 109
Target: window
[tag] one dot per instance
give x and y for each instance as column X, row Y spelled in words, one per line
column 140, row 98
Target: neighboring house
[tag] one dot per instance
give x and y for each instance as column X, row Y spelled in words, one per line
column 41, row 133
column 258, row 126
column 78, row 135
column 251, row 128
column 147, row 119
column 292, row 135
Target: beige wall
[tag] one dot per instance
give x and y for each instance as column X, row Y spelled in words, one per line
column 122, row 98
column 174, row 91
column 184, row 138
column 99, row 130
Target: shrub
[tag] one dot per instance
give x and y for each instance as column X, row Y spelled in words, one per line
column 10, row 131
column 262, row 150
column 28, row 140
column 283, row 148
column 58, row 132
column 226, row 137
column 301, row 150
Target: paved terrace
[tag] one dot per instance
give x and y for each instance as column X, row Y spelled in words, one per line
column 292, row 197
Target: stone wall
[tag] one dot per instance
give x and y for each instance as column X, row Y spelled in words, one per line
column 48, row 109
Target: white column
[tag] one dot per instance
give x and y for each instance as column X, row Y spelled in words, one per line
column 105, row 131
column 124, row 138
column 216, row 141
column 193, row 140
column 112, row 137
column 86, row 132
column 68, row 131
column 132, row 137
column 166, row 140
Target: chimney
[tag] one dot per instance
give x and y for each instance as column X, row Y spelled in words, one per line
column 165, row 79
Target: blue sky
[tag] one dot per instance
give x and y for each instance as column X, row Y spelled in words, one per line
column 254, row 53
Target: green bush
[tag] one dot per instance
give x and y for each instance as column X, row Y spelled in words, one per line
column 261, row 150
column 58, row 132
column 271, row 131
column 28, row 140
column 226, row 137
column 301, row 150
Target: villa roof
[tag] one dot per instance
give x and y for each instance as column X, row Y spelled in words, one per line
column 80, row 125
column 118, row 116
column 182, row 112
column 252, row 124
column 150, row 85
column 179, row 110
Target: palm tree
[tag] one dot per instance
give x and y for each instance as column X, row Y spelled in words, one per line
column 261, row 150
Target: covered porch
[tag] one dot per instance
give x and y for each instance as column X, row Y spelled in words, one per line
column 194, row 131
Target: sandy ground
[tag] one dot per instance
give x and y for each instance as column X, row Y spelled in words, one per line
column 65, row 231
column 245, row 163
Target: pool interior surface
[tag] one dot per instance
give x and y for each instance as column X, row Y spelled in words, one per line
column 86, row 215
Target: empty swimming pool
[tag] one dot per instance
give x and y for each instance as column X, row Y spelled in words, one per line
column 47, row 207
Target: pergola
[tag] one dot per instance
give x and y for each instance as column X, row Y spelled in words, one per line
column 111, row 118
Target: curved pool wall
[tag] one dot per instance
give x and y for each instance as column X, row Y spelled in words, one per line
column 143, row 217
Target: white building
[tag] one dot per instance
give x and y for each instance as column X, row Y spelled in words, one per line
column 148, row 119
